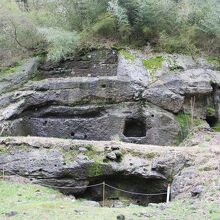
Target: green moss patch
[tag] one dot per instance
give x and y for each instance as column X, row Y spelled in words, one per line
column 153, row 64
column 9, row 70
column 95, row 169
column 127, row 55
column 3, row 150
column 37, row 76
column 69, row 156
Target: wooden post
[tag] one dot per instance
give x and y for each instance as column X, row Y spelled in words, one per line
column 103, row 194
column 168, row 193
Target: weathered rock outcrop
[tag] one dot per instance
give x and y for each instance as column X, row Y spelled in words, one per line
column 103, row 95
column 16, row 80
column 65, row 164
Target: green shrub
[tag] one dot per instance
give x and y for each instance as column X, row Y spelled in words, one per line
column 105, row 26
column 181, row 43
column 80, row 14
column 61, row 43
column 120, row 13
column 185, row 26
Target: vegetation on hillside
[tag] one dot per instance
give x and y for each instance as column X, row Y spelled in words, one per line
column 60, row 27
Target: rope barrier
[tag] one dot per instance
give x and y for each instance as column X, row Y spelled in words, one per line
column 135, row 193
column 89, row 186
column 72, row 187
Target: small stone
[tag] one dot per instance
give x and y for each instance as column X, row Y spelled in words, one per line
column 163, row 206
column 117, row 204
column 82, row 149
column 81, row 158
column 196, row 191
column 10, row 214
column 111, row 156
column 66, row 148
column 154, row 205
column 114, row 147
column 120, row 217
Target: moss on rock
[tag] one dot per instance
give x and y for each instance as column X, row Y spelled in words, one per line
column 3, row 150
column 95, row 169
column 127, row 55
column 154, row 63
column 10, row 70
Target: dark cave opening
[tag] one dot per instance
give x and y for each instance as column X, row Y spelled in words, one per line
column 211, row 120
column 131, row 184
column 134, row 128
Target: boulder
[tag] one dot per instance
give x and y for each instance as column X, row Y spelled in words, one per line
column 15, row 80
column 196, row 191
column 164, row 98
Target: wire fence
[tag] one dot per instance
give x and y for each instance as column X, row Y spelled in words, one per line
column 103, row 184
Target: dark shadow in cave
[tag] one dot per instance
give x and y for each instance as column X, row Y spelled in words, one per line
column 134, row 128
column 211, row 120
column 129, row 183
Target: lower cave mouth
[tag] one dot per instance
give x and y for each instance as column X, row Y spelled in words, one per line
column 134, row 128
column 212, row 121
column 126, row 190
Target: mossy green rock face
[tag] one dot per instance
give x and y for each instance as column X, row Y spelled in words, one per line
column 15, row 77
column 96, row 169
column 153, row 64
column 127, row 55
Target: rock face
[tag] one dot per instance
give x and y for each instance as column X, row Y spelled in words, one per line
column 101, row 95
column 43, row 161
column 16, row 80
column 61, row 164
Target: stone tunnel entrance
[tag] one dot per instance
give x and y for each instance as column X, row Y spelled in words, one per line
column 134, row 128
column 128, row 183
column 212, row 121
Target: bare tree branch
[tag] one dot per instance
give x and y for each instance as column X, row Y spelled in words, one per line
column 16, row 38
